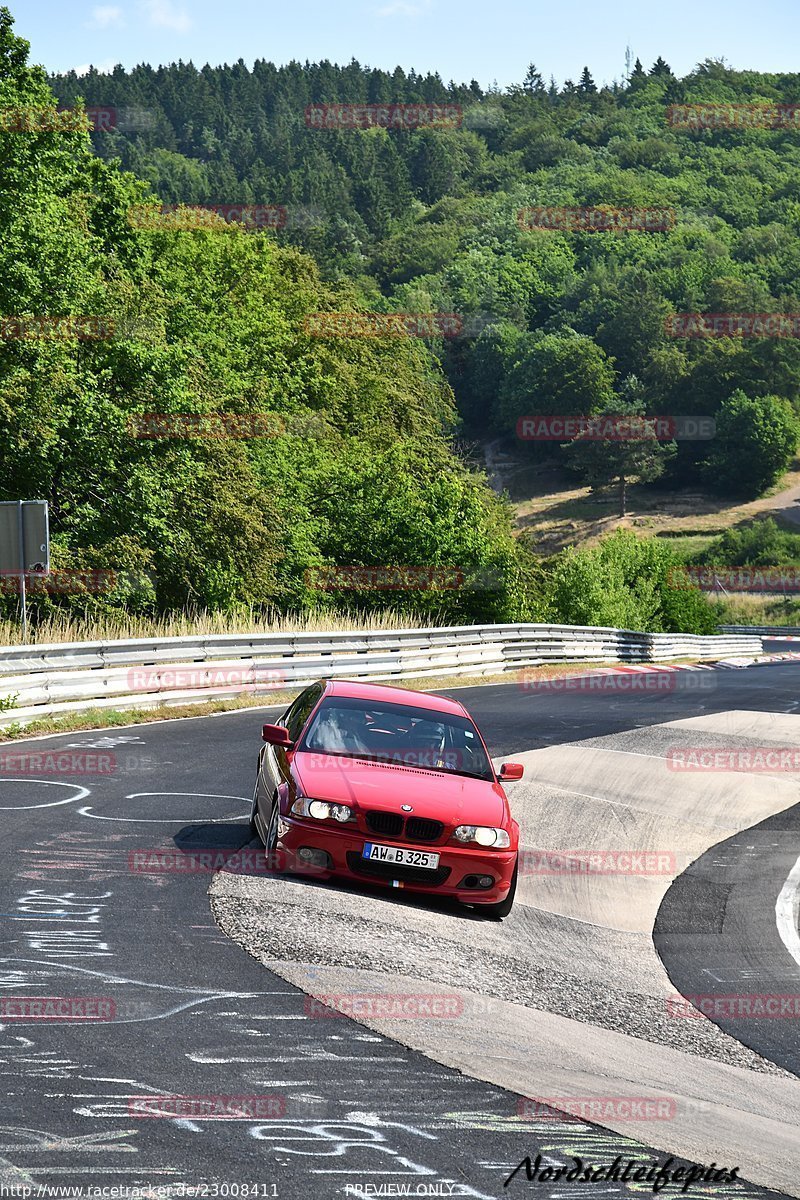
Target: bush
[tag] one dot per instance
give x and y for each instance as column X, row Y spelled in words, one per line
column 760, row 544
column 755, row 442
column 626, row 582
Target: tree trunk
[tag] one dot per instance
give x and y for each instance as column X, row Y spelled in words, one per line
column 622, row 495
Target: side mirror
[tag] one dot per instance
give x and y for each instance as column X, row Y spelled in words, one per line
column 511, row 771
column 276, row 735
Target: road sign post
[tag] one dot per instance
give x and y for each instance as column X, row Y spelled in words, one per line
column 24, row 545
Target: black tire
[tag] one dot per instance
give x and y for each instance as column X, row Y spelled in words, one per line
column 272, row 828
column 498, row 911
column 253, row 827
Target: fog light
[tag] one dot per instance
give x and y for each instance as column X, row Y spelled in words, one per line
column 475, row 882
column 310, row 856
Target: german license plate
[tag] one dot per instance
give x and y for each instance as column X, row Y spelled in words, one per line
column 401, row 856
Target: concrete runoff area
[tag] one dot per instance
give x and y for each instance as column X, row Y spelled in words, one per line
column 568, row 995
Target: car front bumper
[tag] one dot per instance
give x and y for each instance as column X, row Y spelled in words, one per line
column 344, row 849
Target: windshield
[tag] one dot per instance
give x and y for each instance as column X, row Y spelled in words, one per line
column 398, row 733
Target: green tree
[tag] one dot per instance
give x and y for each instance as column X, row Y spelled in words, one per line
column 586, row 85
column 555, row 373
column 638, row 76
column 533, row 83
column 205, row 321
column 629, row 583
column 756, row 440
column 629, row 450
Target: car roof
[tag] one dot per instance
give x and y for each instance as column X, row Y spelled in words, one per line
column 387, row 694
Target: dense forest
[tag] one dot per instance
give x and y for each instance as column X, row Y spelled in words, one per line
column 428, row 220
column 209, row 322
column 214, row 318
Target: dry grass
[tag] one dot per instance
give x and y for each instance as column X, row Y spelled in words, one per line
column 549, row 507
column 65, row 627
column 742, row 608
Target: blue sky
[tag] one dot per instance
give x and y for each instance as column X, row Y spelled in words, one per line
column 461, row 39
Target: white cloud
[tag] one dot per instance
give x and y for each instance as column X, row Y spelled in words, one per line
column 105, row 68
column 165, row 15
column 104, row 16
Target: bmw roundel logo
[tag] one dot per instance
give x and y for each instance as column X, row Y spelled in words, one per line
column 406, row 808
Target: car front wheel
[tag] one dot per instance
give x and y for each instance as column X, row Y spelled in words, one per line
column 503, row 908
column 272, row 827
column 253, row 810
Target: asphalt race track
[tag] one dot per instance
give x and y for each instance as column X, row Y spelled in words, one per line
column 567, row 997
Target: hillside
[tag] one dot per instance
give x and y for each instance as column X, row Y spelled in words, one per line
column 427, row 220
column 331, row 441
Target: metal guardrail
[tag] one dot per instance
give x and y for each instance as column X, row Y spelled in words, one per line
column 140, row 673
column 762, row 630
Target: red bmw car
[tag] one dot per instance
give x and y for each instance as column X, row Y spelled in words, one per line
column 387, row 786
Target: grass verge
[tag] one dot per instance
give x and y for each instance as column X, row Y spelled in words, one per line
column 65, row 626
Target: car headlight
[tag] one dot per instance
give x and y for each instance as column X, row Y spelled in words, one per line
column 484, row 835
column 321, row 810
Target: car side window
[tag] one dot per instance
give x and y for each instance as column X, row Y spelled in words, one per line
column 300, row 711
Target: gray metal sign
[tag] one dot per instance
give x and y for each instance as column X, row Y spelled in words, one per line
column 24, row 545
column 24, row 537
